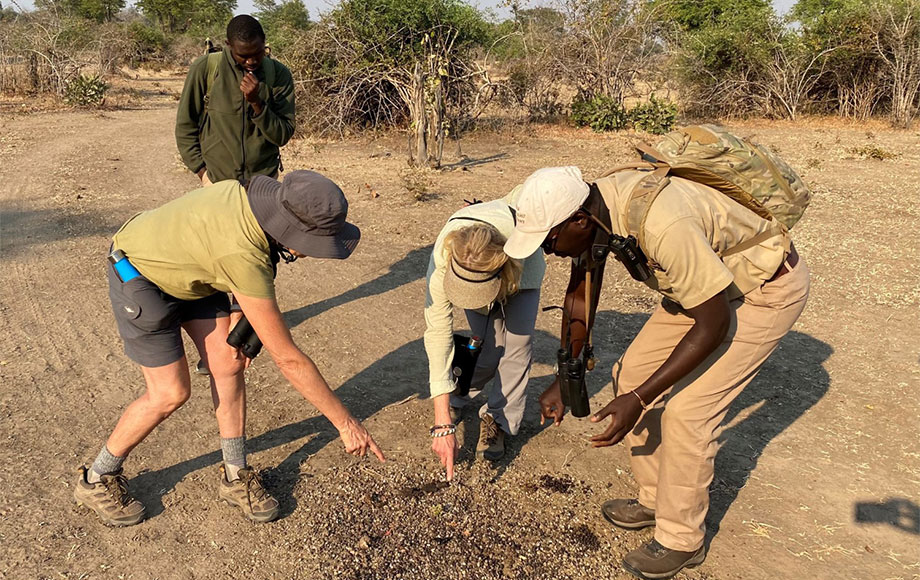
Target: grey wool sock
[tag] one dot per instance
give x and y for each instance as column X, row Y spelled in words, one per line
column 234, row 450
column 105, row 464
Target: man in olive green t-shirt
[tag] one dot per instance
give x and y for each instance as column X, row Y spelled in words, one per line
column 181, row 260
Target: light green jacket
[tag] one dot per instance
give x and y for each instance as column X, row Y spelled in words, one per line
column 439, row 312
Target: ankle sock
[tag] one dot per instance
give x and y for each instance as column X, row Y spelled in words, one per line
column 105, row 464
column 234, row 450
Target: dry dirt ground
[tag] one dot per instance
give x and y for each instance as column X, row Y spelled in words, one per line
column 819, row 476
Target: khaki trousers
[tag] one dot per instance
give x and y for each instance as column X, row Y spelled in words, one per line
column 507, row 353
column 674, row 444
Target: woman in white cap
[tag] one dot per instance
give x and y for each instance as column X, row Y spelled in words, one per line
column 468, row 269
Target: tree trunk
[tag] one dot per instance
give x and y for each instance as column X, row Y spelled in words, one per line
column 418, row 143
column 436, row 128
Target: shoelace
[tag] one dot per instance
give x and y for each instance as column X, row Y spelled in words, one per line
column 491, row 431
column 118, row 487
column 257, row 490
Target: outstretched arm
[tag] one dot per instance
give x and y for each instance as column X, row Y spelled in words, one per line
column 711, row 321
column 299, row 369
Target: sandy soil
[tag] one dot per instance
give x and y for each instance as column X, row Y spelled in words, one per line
column 819, row 476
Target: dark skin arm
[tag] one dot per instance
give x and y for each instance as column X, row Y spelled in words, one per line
column 250, row 88
column 551, row 406
column 711, row 321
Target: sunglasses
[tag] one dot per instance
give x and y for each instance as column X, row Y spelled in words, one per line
column 552, row 238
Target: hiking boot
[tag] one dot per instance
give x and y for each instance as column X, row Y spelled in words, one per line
column 491, row 444
column 247, row 493
column 628, row 513
column 109, row 498
column 653, row 561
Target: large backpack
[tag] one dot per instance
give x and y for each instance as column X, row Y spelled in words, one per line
column 750, row 174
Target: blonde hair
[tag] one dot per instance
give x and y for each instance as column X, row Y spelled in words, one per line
column 480, row 247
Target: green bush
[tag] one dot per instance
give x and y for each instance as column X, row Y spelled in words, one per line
column 655, row 116
column 601, row 113
column 150, row 43
column 86, row 90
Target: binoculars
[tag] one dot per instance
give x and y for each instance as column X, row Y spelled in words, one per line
column 244, row 337
column 626, row 251
column 571, row 374
column 466, row 353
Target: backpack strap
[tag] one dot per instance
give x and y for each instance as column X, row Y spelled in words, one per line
column 649, row 153
column 776, row 228
column 213, row 62
column 629, row 166
column 640, row 201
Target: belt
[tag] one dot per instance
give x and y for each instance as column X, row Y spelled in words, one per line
column 792, row 258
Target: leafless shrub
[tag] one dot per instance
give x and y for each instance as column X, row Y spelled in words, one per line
column 608, row 45
column 419, row 73
column 898, row 43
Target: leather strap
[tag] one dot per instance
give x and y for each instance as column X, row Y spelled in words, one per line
column 791, row 261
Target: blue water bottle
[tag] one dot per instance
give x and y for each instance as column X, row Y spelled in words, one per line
column 125, row 270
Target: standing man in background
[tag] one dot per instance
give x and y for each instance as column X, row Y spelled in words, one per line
column 236, row 109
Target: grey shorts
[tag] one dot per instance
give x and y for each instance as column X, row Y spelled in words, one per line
column 149, row 320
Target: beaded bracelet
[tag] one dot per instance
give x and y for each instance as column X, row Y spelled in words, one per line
column 450, row 430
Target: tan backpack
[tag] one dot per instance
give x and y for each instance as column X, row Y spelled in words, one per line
column 750, row 174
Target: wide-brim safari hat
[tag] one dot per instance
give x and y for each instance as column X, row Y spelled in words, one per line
column 471, row 289
column 305, row 212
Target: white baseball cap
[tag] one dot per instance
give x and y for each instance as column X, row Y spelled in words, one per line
column 547, row 198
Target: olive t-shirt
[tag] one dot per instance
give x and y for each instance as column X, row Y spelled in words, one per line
column 688, row 227
column 204, row 242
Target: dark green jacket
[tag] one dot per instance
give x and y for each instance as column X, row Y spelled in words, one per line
column 220, row 139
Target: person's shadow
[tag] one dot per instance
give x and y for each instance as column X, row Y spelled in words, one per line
column 791, row 381
column 613, row 332
column 410, row 268
column 898, row 512
column 364, row 394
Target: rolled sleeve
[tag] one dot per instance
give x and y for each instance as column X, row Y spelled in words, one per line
column 439, row 330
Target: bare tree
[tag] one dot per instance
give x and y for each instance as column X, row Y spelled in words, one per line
column 608, row 44
column 897, row 41
column 419, row 73
column 792, row 72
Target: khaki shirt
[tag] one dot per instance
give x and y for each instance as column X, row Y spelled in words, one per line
column 204, row 242
column 688, row 227
column 439, row 312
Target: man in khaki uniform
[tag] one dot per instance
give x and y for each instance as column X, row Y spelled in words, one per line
column 720, row 319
